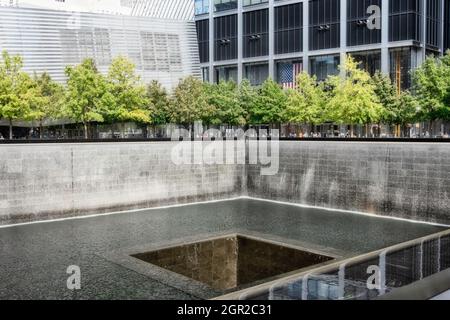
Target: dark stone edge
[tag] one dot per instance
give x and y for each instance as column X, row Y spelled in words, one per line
column 69, row 141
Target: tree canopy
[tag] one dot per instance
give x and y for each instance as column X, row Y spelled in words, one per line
column 270, row 104
column 224, row 98
column 15, row 90
column 307, row 103
column 189, row 102
column 128, row 100
column 399, row 107
column 87, row 96
column 353, row 99
column 432, row 87
column 47, row 99
column 158, row 102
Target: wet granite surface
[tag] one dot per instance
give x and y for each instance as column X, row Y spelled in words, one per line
column 404, row 180
column 34, row 258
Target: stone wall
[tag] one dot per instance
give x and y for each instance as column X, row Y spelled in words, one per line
column 41, row 181
column 407, row 180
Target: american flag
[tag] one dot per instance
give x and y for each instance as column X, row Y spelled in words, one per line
column 288, row 72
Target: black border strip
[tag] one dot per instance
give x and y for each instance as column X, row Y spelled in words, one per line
column 387, row 140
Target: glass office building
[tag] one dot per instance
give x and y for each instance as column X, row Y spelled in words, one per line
column 279, row 38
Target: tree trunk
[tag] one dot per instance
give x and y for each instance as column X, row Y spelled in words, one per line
column 10, row 130
column 40, row 130
column 85, row 130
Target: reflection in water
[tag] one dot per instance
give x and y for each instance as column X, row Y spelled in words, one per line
column 397, row 268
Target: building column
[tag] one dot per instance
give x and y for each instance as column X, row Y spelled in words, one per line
column 343, row 32
column 240, row 42
column 305, row 35
column 385, row 65
column 423, row 54
column 442, row 30
column 271, row 39
column 211, row 41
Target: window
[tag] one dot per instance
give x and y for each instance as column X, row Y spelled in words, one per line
column 148, row 51
column 447, row 25
column 369, row 60
column 324, row 66
column 203, row 39
column 86, row 43
column 289, row 28
column 256, row 73
column 225, row 38
column 324, row 28
column 256, row 33
column 357, row 31
column 287, row 72
column 95, row 43
column 433, row 23
column 162, row 56
column 173, row 46
column 102, row 47
column 252, row 2
column 201, row 7
column 133, row 44
column 225, row 73
column 402, row 61
column 222, row 5
column 405, row 20
column 205, row 74
column 69, row 53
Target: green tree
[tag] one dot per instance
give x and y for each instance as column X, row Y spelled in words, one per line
column 46, row 101
column 408, row 109
column 432, row 88
column 15, row 90
column 271, row 104
column 248, row 99
column 158, row 102
column 189, row 103
column 399, row 107
column 353, row 99
column 307, row 103
column 224, row 99
column 129, row 98
column 87, row 97
column 387, row 96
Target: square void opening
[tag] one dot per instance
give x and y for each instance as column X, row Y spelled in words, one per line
column 232, row 261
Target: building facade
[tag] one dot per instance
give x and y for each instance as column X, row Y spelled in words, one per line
column 49, row 40
column 167, row 9
column 95, row 6
column 257, row 39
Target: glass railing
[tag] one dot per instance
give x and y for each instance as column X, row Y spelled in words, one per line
column 361, row 278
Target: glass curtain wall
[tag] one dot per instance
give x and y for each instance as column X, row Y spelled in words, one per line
column 324, row 66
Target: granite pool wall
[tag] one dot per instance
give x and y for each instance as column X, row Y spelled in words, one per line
column 399, row 179
column 42, row 181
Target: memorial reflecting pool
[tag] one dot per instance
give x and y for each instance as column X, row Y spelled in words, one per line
column 35, row 257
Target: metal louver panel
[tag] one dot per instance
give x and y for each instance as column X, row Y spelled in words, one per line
column 167, row 9
column 49, row 40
